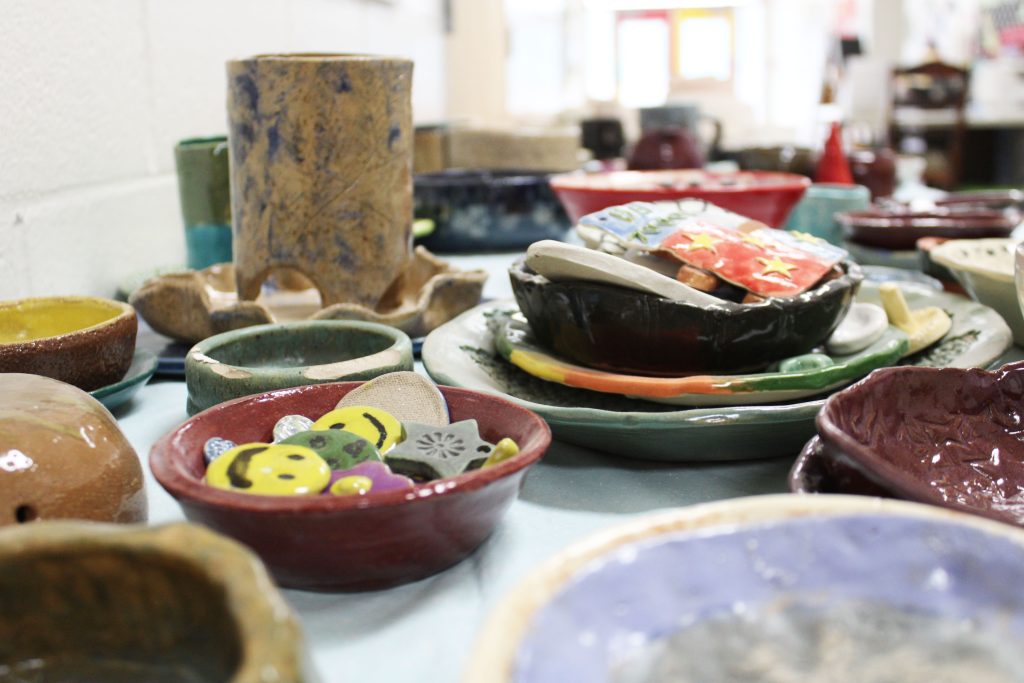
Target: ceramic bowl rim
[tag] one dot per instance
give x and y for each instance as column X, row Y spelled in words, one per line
column 787, row 182
column 123, row 311
column 166, row 464
column 950, row 260
column 957, row 220
column 450, row 178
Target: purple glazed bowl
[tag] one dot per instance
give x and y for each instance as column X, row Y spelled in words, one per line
column 815, row 472
column 350, row 543
column 900, row 229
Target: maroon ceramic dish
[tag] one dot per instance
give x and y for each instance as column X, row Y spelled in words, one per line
column 762, row 195
column 350, row 543
column 815, row 472
column 946, row 436
column 988, row 199
column 899, row 229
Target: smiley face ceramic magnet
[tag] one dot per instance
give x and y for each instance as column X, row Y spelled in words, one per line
column 270, row 470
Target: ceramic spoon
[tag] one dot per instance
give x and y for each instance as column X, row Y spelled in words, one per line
column 924, row 326
column 558, row 261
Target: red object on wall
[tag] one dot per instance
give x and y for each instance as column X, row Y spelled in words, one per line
column 833, row 166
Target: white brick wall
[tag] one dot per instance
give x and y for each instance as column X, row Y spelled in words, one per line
column 94, row 95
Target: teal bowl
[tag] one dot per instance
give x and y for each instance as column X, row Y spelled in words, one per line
column 267, row 357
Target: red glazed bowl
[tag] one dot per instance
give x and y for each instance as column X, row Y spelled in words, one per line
column 762, row 195
column 351, row 543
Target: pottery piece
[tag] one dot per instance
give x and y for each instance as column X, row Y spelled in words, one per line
column 939, row 436
column 82, row 340
column 763, row 196
column 487, row 210
column 290, row 425
column 904, row 259
column 985, row 269
column 265, row 357
column 833, row 166
column 815, row 213
column 93, row 602
column 350, row 542
column 923, row 326
column 193, row 306
column 611, row 328
column 377, row 426
column 461, row 353
column 862, row 326
column 269, row 469
column 899, row 229
column 216, row 447
column 782, row 158
column 409, row 396
column 63, row 456
column 205, row 194
column 795, row 378
column 366, row 477
column 998, row 200
column 549, row 150
column 141, row 370
column 321, row 170
column 430, row 452
column 815, row 472
column 768, row 587
column 669, row 138
column 340, row 449
column 875, row 169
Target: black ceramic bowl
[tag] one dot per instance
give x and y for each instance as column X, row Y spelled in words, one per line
column 487, row 210
column 614, row 328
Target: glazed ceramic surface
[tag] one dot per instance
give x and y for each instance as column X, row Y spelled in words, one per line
column 905, row 259
column 940, row 436
column 462, row 353
column 815, row 213
column 486, row 210
column 617, row 329
column 63, row 456
column 985, row 270
column 173, row 604
column 764, row 196
column 815, row 472
column 85, row 341
column 360, row 542
column 267, row 357
column 768, row 587
column 900, row 229
column 143, row 367
column 205, row 194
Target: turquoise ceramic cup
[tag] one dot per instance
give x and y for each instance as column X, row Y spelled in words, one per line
column 815, row 212
column 203, row 187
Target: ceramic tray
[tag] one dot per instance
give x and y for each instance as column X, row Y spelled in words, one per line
column 769, row 588
column 461, row 353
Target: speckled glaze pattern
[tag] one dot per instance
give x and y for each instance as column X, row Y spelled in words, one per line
column 614, row 328
column 351, row 542
column 481, row 210
column 62, row 456
column 173, row 597
column 321, row 171
column 942, row 436
column 89, row 358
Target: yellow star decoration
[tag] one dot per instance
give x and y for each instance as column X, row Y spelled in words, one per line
column 776, row 265
column 805, row 237
column 756, row 241
column 703, row 241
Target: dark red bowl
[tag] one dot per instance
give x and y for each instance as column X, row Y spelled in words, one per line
column 899, row 229
column 352, row 543
column 762, row 195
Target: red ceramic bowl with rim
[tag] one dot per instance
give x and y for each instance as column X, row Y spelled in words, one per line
column 766, row 196
column 329, row 542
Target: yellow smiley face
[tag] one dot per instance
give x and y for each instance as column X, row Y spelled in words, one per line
column 379, row 427
column 270, row 470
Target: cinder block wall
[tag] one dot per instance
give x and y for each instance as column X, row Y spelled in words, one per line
column 94, row 94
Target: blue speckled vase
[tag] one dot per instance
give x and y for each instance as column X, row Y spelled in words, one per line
column 203, row 187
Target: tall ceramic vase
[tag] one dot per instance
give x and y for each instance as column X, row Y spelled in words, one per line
column 202, row 165
column 321, row 174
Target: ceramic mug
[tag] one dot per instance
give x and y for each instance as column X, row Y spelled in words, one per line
column 815, row 212
column 204, row 190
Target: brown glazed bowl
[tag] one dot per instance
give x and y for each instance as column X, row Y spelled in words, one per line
column 328, row 542
column 82, row 340
column 900, row 229
column 947, row 437
column 624, row 330
column 96, row 602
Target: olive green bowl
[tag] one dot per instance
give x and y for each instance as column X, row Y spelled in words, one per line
column 266, row 357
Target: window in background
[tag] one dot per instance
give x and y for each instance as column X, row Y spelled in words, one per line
column 643, row 48
column 704, row 45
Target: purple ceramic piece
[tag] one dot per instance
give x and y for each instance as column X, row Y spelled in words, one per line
column 380, row 474
column 815, row 472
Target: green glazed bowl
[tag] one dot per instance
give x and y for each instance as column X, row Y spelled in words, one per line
column 266, row 357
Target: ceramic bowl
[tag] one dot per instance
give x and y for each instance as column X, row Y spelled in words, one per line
column 614, row 328
column 782, row 158
column 82, row 340
column 761, row 195
column 900, row 229
column 265, row 357
column 985, row 270
column 815, row 472
column 986, row 199
column 487, row 210
column 796, row 588
column 350, row 543
column 942, row 436
column 90, row 602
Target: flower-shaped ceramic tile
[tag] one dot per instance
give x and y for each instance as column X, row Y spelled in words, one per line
column 430, row 452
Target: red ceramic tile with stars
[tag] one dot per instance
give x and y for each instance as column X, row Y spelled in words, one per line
column 756, row 261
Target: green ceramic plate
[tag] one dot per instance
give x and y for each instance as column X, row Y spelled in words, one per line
column 461, row 353
column 142, row 368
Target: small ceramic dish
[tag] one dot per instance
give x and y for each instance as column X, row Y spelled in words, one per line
column 996, row 200
column 487, row 210
column 815, row 472
column 329, row 542
column 624, row 330
column 143, row 368
column 985, row 270
column 797, row 588
column 900, row 229
column 82, row 340
column 945, row 436
column 95, row 602
column 762, row 195
column 265, row 357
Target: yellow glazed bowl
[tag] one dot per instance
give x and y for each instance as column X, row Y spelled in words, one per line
column 81, row 340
